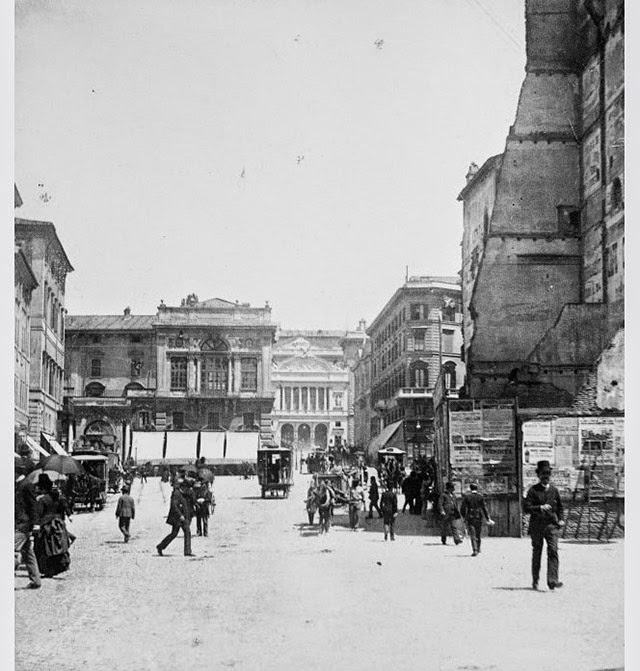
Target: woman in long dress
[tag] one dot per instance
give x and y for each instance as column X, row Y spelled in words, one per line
column 52, row 541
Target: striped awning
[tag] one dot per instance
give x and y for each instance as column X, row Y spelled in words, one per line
column 54, row 444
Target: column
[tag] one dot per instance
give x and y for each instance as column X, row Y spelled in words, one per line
column 237, row 374
column 229, row 376
column 125, row 440
column 260, row 378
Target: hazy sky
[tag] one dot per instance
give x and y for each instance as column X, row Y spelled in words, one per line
column 297, row 151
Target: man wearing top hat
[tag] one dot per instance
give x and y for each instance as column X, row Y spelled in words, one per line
column 545, row 507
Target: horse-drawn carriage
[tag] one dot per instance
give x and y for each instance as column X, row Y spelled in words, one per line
column 275, row 470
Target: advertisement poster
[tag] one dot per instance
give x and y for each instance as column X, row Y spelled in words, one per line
column 591, row 161
column 537, row 441
column 596, row 440
column 482, row 448
column 566, row 441
column 497, row 423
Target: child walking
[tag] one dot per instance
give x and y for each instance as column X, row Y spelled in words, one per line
column 125, row 512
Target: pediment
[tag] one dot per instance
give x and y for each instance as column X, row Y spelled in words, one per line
column 307, row 364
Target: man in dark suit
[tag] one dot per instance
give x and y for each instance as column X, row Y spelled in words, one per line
column 449, row 514
column 545, row 507
column 179, row 517
column 25, row 521
column 473, row 509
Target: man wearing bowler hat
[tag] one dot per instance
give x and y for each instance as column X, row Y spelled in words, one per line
column 545, row 507
column 179, row 517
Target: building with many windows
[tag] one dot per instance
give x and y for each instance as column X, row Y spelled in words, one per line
column 311, row 380
column 416, row 335
column 25, row 283
column 200, row 366
column 41, row 250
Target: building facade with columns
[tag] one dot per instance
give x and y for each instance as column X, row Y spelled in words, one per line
column 203, row 365
column 311, row 381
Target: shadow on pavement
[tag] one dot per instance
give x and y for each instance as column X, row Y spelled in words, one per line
column 518, row 589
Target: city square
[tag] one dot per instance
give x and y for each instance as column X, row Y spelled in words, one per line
column 319, row 335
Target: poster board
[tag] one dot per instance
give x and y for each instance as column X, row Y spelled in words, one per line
column 575, row 447
column 482, row 448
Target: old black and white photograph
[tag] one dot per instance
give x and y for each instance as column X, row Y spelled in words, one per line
column 319, row 335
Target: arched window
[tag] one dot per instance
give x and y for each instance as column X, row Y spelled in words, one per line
column 449, row 369
column 132, row 386
column 94, row 389
column 214, row 368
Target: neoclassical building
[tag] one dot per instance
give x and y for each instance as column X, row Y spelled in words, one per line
column 200, row 366
column 312, row 385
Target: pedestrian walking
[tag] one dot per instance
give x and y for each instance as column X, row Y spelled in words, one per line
column 389, row 508
column 325, row 507
column 125, row 512
column 311, row 501
column 449, row 515
column 425, row 494
column 374, row 496
column 52, row 542
column 473, row 509
column 25, row 522
column 356, row 498
column 179, row 517
column 544, row 505
column 203, row 507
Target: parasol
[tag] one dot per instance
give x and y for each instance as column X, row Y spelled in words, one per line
column 34, row 475
column 62, row 464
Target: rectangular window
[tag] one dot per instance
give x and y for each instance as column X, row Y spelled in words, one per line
column 248, row 420
column 214, row 373
column 178, row 373
column 415, row 312
column 420, row 377
column 304, row 398
column 321, row 398
column 213, row 420
column 96, row 367
column 312, row 398
column 178, row 420
column 287, row 398
column 144, row 419
column 296, row 398
column 249, row 374
column 447, row 340
column 418, row 339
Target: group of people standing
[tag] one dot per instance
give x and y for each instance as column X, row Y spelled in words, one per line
column 41, row 537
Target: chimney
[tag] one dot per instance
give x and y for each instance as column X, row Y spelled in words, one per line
column 362, row 325
column 127, row 312
column 472, row 172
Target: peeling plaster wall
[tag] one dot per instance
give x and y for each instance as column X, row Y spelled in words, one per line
column 610, row 377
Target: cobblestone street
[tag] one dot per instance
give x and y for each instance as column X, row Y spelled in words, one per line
column 266, row 592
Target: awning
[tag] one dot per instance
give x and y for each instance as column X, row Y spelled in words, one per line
column 147, row 446
column 391, row 436
column 36, row 450
column 242, row 446
column 181, row 446
column 211, row 445
column 54, row 444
